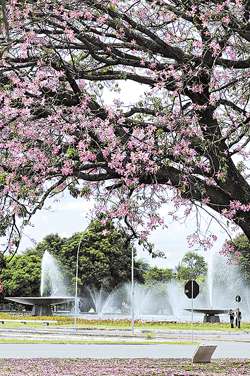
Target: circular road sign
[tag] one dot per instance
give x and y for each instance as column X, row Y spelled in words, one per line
column 191, row 286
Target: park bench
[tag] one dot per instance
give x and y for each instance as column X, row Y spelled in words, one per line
column 45, row 322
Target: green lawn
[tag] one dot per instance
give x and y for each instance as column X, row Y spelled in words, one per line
column 64, row 321
column 95, row 342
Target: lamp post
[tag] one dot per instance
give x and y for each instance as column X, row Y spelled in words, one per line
column 132, row 293
column 193, row 262
column 76, row 276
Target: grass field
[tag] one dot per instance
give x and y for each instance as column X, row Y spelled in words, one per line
column 93, row 342
column 64, row 321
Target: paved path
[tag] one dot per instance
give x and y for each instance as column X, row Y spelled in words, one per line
column 119, row 335
column 224, row 350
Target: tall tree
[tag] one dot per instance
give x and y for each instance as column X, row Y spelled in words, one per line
column 104, row 261
column 192, row 266
column 52, row 243
column 104, row 256
column 156, row 275
column 21, row 276
column 241, row 254
column 183, row 136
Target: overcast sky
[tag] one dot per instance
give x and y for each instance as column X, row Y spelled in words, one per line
column 70, row 215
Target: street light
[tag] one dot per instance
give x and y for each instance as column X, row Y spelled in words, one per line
column 132, row 293
column 192, row 265
column 76, row 281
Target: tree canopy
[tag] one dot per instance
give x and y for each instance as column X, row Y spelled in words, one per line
column 156, row 275
column 104, row 261
column 241, row 251
column 104, row 256
column 52, row 243
column 179, row 142
column 192, row 266
column 21, row 276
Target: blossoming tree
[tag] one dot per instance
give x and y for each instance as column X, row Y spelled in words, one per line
column 186, row 140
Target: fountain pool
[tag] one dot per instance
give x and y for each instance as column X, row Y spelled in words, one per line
column 52, row 283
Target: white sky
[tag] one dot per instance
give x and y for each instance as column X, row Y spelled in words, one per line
column 70, row 215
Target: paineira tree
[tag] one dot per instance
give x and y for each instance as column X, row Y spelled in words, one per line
column 185, row 140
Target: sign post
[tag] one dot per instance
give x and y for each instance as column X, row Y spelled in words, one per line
column 191, row 290
column 132, row 293
column 238, row 318
column 238, row 298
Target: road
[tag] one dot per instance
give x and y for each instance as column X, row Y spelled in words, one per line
column 69, row 334
column 224, row 350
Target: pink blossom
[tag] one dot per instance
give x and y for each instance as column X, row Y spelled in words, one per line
column 67, row 168
column 215, row 47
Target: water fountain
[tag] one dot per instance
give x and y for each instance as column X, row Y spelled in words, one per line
column 165, row 301
column 224, row 283
column 168, row 302
column 52, row 281
column 52, row 289
column 102, row 301
column 210, row 314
